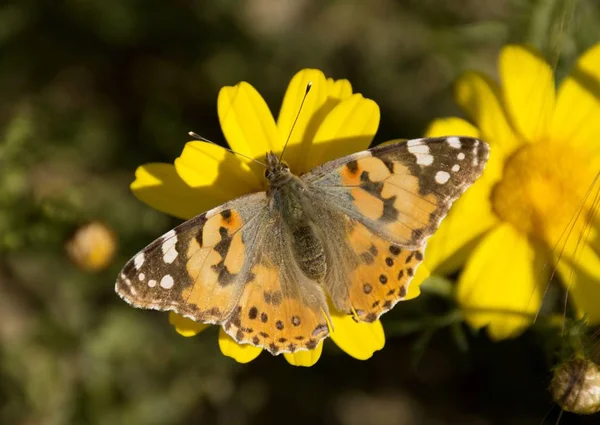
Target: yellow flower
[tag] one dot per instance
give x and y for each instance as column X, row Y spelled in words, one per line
column 516, row 223
column 333, row 122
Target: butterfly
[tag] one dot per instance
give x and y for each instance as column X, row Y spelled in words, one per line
column 351, row 231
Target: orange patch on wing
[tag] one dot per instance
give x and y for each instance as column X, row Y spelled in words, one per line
column 234, row 261
column 210, row 232
column 367, row 204
column 267, row 318
column 231, row 221
column 350, row 174
column 376, row 168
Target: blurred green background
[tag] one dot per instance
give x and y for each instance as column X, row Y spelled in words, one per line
column 90, row 89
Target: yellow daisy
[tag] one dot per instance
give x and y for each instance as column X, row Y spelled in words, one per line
column 508, row 229
column 333, row 122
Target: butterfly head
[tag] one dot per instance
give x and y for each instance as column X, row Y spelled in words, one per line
column 277, row 172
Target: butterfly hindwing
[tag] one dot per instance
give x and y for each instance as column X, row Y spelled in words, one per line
column 401, row 191
column 280, row 309
column 382, row 275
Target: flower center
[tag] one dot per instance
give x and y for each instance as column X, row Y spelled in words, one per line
column 543, row 187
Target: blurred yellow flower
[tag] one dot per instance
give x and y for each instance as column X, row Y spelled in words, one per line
column 206, row 175
column 92, row 247
column 532, row 210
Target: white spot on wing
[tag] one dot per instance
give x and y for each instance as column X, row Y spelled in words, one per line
column 456, row 168
column 461, row 156
column 167, row 281
column 141, row 276
column 138, row 261
column 454, row 142
column 442, row 177
column 168, row 247
column 151, row 283
column 420, row 151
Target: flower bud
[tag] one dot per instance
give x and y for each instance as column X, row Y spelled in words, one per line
column 575, row 386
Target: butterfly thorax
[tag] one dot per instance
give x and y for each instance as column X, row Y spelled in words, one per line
column 289, row 200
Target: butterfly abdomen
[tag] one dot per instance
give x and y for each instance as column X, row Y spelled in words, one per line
column 309, row 252
column 297, row 214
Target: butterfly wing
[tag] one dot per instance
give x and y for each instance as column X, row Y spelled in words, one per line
column 386, row 202
column 226, row 267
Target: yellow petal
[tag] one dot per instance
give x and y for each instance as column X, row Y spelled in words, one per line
column 501, row 285
column 358, row 339
column 451, row 126
column 246, row 121
column 348, row 128
column 218, row 175
column 414, row 289
column 576, row 116
column 159, row 186
column 241, row 353
column 338, row 89
column 184, row 326
column 478, row 96
column 581, row 277
column 306, row 358
column 528, row 88
column 309, row 119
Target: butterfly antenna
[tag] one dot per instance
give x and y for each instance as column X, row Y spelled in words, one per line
column 204, row 139
column 308, row 87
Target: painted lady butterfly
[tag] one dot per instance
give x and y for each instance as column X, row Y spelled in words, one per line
column 354, row 229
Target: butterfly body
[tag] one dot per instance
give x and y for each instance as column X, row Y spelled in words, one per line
column 293, row 209
column 353, row 231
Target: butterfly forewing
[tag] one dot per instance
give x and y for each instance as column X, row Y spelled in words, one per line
column 401, row 191
column 198, row 268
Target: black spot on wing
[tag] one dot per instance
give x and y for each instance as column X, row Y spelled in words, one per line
column 352, row 167
column 226, row 214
